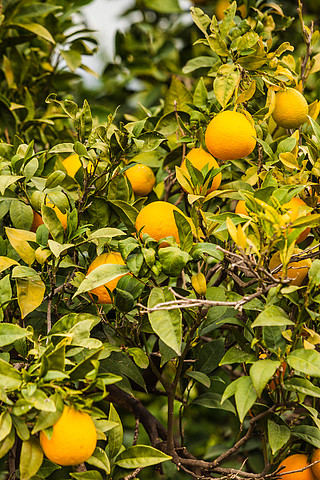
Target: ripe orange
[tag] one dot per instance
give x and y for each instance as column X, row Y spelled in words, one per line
column 73, row 163
column 142, row 179
column 297, row 271
column 199, row 159
column 241, row 208
column 293, row 209
column 295, row 462
column 113, row 258
column 230, row 136
column 316, row 468
column 37, row 221
column 73, row 440
column 157, row 219
column 220, row 7
column 278, row 376
column 291, row 108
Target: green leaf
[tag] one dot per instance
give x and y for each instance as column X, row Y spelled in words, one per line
column 305, row 361
column 245, row 396
column 307, row 433
column 210, row 356
column 37, row 29
column 7, row 180
column 21, row 215
column 225, row 83
column 213, row 400
column 10, row 378
column 89, row 475
column 177, row 97
column 200, row 377
column 115, row 435
column 200, row 62
column 200, row 19
column 47, row 419
column 5, row 290
column 235, row 355
column 30, row 458
column 100, row 459
column 272, row 316
column 139, row 357
column 314, row 273
column 100, row 276
column 261, row 372
column 140, row 456
column 72, row 58
column 10, row 333
column 5, row 424
column 7, row 443
column 184, row 230
column 278, row 435
column 167, row 324
column 105, row 233
column 173, row 260
column 302, row 385
column 163, row 6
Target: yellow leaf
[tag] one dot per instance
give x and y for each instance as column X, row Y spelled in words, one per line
column 285, row 72
column 271, row 102
column 6, row 262
column 184, row 178
column 19, row 241
column 315, row 63
column 289, row 160
column 314, row 109
column 307, row 345
column 30, row 293
column 247, row 94
column 241, row 237
column 232, row 229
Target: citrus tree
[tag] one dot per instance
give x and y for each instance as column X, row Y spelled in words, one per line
column 159, row 285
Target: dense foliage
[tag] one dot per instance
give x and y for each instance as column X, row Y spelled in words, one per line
column 206, row 362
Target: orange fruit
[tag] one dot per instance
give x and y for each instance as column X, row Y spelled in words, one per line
column 113, row 258
column 37, row 221
column 278, row 376
column 293, row 210
column 157, row 220
column 220, row 8
column 142, row 179
column 72, row 164
column 291, row 108
column 316, row 468
column 241, row 208
column 296, row 271
column 230, row 136
column 73, row 440
column 295, row 462
column 199, row 159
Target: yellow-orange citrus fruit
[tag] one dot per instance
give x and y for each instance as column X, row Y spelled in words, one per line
column 241, row 208
column 37, row 221
column 297, row 271
column 230, row 136
column 73, row 163
column 295, row 462
column 142, row 179
column 199, row 159
column 291, row 108
column 112, row 258
column 293, row 209
column 220, row 7
column 73, row 440
column 316, row 468
column 157, row 220
column 278, row 376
